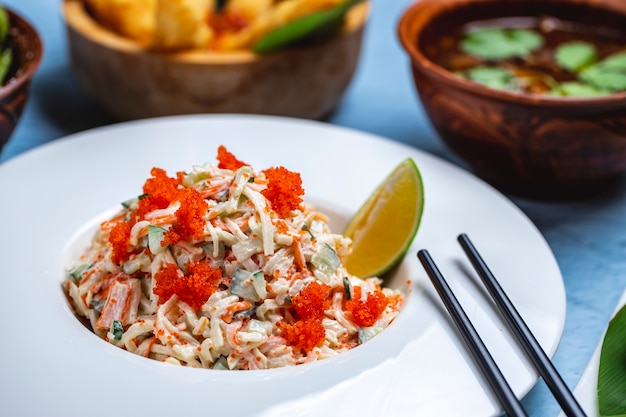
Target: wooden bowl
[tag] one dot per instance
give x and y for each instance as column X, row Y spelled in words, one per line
column 27, row 53
column 529, row 144
column 130, row 82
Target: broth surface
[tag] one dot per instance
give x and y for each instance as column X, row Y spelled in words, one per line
column 536, row 71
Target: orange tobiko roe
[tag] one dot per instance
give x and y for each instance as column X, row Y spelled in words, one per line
column 159, row 192
column 189, row 217
column 118, row 238
column 312, row 301
column 194, row 289
column 227, row 160
column 284, row 190
column 366, row 312
column 303, row 334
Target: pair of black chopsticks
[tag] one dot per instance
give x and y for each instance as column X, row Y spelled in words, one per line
column 538, row 357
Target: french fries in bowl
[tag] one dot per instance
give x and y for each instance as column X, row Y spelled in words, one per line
column 150, row 58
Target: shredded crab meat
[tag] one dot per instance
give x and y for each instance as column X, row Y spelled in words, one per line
column 225, row 267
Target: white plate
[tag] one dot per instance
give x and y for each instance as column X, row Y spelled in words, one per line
column 586, row 391
column 51, row 365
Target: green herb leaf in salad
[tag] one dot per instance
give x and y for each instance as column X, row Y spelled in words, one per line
column 574, row 56
column 500, row 43
column 612, row 368
column 347, row 288
column 117, row 329
column 316, row 26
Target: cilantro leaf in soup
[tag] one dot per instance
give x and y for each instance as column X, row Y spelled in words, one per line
column 608, row 74
column 574, row 56
column 578, row 89
column 616, row 61
column 493, row 77
column 497, row 43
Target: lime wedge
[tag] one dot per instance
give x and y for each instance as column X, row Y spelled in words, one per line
column 386, row 224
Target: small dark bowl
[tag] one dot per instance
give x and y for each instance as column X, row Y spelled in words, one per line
column 27, row 52
column 527, row 144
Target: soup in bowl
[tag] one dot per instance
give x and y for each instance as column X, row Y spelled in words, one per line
column 531, row 94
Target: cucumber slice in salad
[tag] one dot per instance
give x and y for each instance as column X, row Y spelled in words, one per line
column 249, row 285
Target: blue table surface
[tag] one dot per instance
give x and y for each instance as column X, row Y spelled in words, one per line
column 586, row 235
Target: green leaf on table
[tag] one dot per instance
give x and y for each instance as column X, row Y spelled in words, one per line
column 574, row 56
column 497, row 43
column 612, row 369
column 312, row 26
column 609, row 74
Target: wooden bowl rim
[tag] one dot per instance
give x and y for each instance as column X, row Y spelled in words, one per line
column 77, row 18
column 32, row 64
column 415, row 18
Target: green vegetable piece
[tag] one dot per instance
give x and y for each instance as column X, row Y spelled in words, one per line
column 347, row 288
column 366, row 333
column 574, row 56
column 133, row 265
column 493, row 77
column 97, row 303
column 326, row 260
column 316, row 25
column 117, row 329
column 155, row 237
column 5, row 24
column 497, row 43
column 132, row 202
column 76, row 273
column 306, row 229
column 248, row 285
column 578, row 89
column 612, row 369
column 221, row 364
column 258, row 282
column 6, row 59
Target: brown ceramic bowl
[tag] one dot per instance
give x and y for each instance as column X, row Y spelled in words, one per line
column 130, row 82
column 529, row 144
column 27, row 49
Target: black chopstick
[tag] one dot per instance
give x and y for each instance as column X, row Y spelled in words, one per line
column 479, row 351
column 527, row 340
